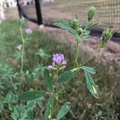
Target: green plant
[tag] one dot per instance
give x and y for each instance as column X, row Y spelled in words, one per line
column 59, row 63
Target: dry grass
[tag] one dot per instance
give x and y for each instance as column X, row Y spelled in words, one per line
column 108, row 11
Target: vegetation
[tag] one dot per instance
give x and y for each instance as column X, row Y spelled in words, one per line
column 39, row 48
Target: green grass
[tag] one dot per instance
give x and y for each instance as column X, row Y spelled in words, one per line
column 84, row 105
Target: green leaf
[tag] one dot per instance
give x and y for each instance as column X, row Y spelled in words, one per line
column 89, row 69
column 28, row 39
column 31, row 105
column 61, row 25
column 30, row 115
column 17, row 113
column 31, row 95
column 64, row 110
column 2, row 85
column 8, row 97
column 49, row 109
column 86, row 32
column 10, row 106
column 40, row 104
column 1, row 64
column 48, row 80
column 1, row 105
column 21, row 108
column 68, row 75
column 91, row 84
column 90, row 25
column 64, row 22
column 13, row 116
column 72, row 32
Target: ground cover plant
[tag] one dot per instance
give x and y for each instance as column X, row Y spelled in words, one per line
column 26, row 68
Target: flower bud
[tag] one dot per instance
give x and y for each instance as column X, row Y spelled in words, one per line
column 106, row 35
column 75, row 23
column 91, row 12
column 79, row 30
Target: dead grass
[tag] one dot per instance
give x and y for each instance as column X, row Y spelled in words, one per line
column 108, row 11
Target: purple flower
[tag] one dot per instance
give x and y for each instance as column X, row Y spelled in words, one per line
column 58, row 62
column 101, row 38
column 28, row 30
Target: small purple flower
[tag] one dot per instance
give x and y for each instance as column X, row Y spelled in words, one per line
column 101, row 38
column 28, row 30
column 59, row 62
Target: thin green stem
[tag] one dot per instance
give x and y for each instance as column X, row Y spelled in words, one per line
column 90, row 57
column 57, row 77
column 56, row 95
column 76, row 57
column 22, row 52
column 22, row 57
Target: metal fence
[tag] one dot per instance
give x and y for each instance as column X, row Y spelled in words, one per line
column 30, row 9
column 108, row 12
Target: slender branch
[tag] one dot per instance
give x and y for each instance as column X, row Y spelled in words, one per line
column 90, row 57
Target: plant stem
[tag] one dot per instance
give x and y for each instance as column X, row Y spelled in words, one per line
column 57, row 77
column 76, row 57
column 90, row 57
column 22, row 52
column 56, row 95
column 22, row 57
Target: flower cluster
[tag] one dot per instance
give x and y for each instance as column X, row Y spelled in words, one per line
column 91, row 12
column 58, row 63
column 28, row 30
column 106, row 35
column 75, row 24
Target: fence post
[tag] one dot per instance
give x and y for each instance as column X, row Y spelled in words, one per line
column 38, row 12
column 2, row 16
column 18, row 8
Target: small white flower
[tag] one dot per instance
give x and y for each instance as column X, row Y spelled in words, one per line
column 19, row 47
